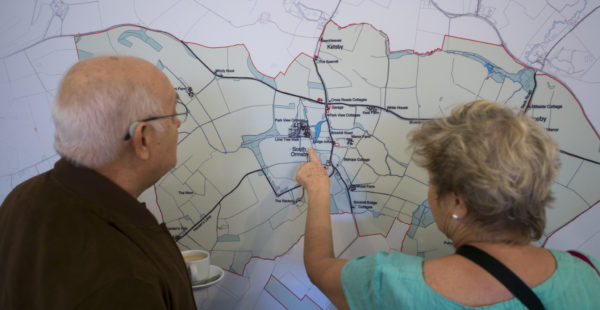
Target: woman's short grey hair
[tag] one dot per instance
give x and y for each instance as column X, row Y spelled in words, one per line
column 93, row 110
column 501, row 162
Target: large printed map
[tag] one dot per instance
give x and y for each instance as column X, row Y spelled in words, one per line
column 264, row 81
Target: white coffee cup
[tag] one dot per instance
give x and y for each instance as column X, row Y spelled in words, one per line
column 198, row 264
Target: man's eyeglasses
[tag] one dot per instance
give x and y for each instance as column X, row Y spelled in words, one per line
column 181, row 110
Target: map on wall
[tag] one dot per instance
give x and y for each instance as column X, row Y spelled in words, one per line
column 265, row 80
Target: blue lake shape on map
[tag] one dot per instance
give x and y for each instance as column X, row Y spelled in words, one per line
column 228, row 238
column 290, row 106
column 317, row 131
column 525, row 76
column 315, row 85
column 83, row 54
column 333, row 209
column 396, row 55
column 252, row 142
column 140, row 34
column 263, row 78
column 421, row 217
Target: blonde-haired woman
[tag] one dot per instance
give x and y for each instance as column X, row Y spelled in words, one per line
column 490, row 172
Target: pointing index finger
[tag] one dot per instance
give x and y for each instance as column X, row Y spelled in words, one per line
column 313, row 156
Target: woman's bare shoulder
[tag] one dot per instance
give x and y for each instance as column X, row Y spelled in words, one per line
column 462, row 281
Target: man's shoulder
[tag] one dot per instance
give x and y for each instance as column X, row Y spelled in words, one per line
column 41, row 195
column 33, row 188
column 41, row 210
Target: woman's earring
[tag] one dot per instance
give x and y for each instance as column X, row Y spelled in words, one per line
column 455, row 216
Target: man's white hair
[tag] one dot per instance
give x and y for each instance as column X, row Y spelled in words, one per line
column 94, row 108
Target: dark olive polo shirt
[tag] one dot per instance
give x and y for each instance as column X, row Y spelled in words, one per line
column 72, row 239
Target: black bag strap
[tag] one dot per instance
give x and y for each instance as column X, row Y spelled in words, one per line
column 511, row 281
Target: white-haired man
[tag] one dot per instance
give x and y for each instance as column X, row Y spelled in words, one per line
column 76, row 236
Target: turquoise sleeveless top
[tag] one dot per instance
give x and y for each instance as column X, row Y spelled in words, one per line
column 395, row 281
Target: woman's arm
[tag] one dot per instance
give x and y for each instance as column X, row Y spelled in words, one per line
column 323, row 269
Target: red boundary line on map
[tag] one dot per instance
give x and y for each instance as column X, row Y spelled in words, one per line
column 342, row 27
column 569, row 222
column 289, row 290
column 302, row 236
column 75, row 37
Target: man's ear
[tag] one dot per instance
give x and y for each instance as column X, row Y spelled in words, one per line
column 140, row 141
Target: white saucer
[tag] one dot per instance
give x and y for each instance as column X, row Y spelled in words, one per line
column 215, row 274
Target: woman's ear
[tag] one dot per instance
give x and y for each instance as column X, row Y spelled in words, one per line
column 459, row 206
